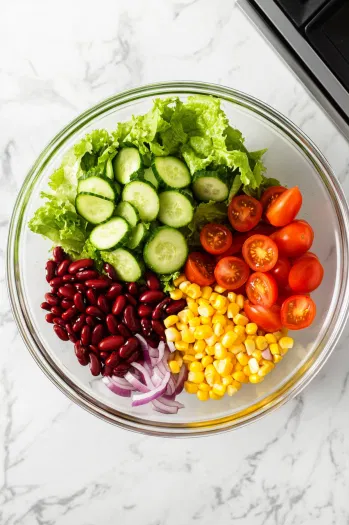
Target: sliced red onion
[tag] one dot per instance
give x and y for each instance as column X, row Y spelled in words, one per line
column 171, row 346
column 161, row 349
column 182, row 376
column 266, row 354
column 170, row 402
column 121, row 382
column 136, row 383
column 171, row 386
column 146, row 375
column 163, row 367
column 164, row 409
column 144, row 398
column 115, row 388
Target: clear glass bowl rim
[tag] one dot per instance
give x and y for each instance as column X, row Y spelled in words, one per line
column 287, row 391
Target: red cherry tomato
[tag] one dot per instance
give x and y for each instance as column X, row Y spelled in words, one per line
column 285, row 207
column 306, row 255
column 297, row 312
column 306, row 275
column 280, row 271
column 270, row 195
column 216, row 238
column 260, row 253
column 231, row 273
column 244, row 213
column 266, row 318
column 199, row 269
column 294, row 239
column 261, row 288
column 240, row 238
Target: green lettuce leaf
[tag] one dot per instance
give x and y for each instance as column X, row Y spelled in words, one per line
column 167, row 281
column 90, row 252
column 205, row 212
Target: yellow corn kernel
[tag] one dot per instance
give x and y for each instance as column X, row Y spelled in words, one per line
column 213, row 297
column 192, row 305
column 203, row 302
column 211, row 341
column 233, row 310
column 183, row 286
column 171, row 320
column 218, row 329
column 227, row 380
column 179, row 280
column 219, row 289
column 236, row 349
column 219, row 389
column 206, row 292
column 246, row 370
column 174, row 367
column 194, row 322
column 188, row 358
column 203, row 332
column 232, row 389
column 211, row 375
column 257, row 354
column 187, row 335
column 229, row 339
column 210, row 350
column 255, row 378
column 261, row 342
column 206, row 360
column 240, row 320
column 178, row 358
column 253, row 364
column 191, row 388
column 185, row 315
column 240, row 300
column 199, row 356
column 232, row 297
column 283, row 351
column 193, row 291
column 172, row 334
column 181, row 326
column 265, row 369
column 277, row 358
column 219, row 318
column 274, row 348
column 196, row 366
column 190, row 350
column 205, row 320
column 240, row 376
column 270, row 338
column 238, row 367
column 286, row 342
column 182, row 346
column 176, row 294
column 220, row 352
column 222, row 311
column 214, row 396
column 278, row 335
column 206, row 311
column 242, row 358
column 196, row 377
column 251, row 328
column 199, row 346
column 250, row 337
column 224, row 367
column 202, row 395
column 220, row 302
column 240, row 330
column 250, row 346
column 204, row 387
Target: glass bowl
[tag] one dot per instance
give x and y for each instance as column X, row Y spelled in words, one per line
column 294, row 160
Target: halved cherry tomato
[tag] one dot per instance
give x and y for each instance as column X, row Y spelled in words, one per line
column 285, row 207
column 297, row 312
column 261, row 288
column 231, row 251
column 240, row 238
column 260, row 253
column 199, row 269
column 270, row 195
column 244, row 213
column 294, row 239
column 266, row 318
column 231, row 273
column 306, row 275
column 216, row 238
column 280, row 271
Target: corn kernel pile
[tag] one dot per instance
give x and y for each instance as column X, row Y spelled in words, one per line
column 216, row 341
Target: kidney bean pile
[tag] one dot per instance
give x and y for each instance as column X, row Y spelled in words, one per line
column 101, row 315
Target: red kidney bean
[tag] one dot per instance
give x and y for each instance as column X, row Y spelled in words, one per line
column 72, row 338
column 69, row 329
column 124, row 331
column 176, row 306
column 131, row 320
column 134, row 357
column 79, row 301
column 67, row 291
column 63, row 268
column 69, row 314
column 121, row 370
column 94, row 349
column 153, row 340
column 60, row 332
column 158, row 327
column 110, row 271
column 112, row 360
column 56, row 310
column 97, row 334
column 158, row 312
column 58, row 254
column 131, row 300
column 81, row 264
column 52, row 299
column 92, row 296
column 80, row 351
column 95, row 312
column 66, row 303
column 114, row 291
column 152, row 281
column 50, row 270
column 56, row 282
column 113, row 342
column 103, row 304
column 49, row 318
column 98, row 284
column 104, row 355
column 129, row 347
column 59, row 320
column 80, row 287
column 79, row 323
column 67, row 278
column 86, row 274
column 152, row 296
column 112, row 324
column 146, row 327
column 119, row 305
column 85, row 336
column 145, row 310
column 90, row 321
column 45, row 306
column 132, row 288
column 95, row 365
column 84, row 361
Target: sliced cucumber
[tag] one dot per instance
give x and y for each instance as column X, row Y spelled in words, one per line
column 125, row 264
column 128, row 212
column 126, row 162
column 150, row 177
column 210, row 186
column 138, row 235
column 176, row 208
column 110, row 234
column 97, row 186
column 166, row 250
column 144, row 198
column 94, row 209
column 109, row 172
column 171, row 172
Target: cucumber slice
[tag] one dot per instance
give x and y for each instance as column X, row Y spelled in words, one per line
column 94, row 209
column 210, row 186
column 97, row 186
column 166, row 251
column 171, row 172
column 150, row 177
column 176, row 208
column 144, row 198
column 110, row 234
column 128, row 212
column 125, row 264
column 126, row 162
column 138, row 235
column 109, row 172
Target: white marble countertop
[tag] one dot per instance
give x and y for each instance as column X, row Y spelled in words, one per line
column 60, row 465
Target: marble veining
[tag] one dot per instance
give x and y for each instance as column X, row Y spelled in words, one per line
column 58, row 464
